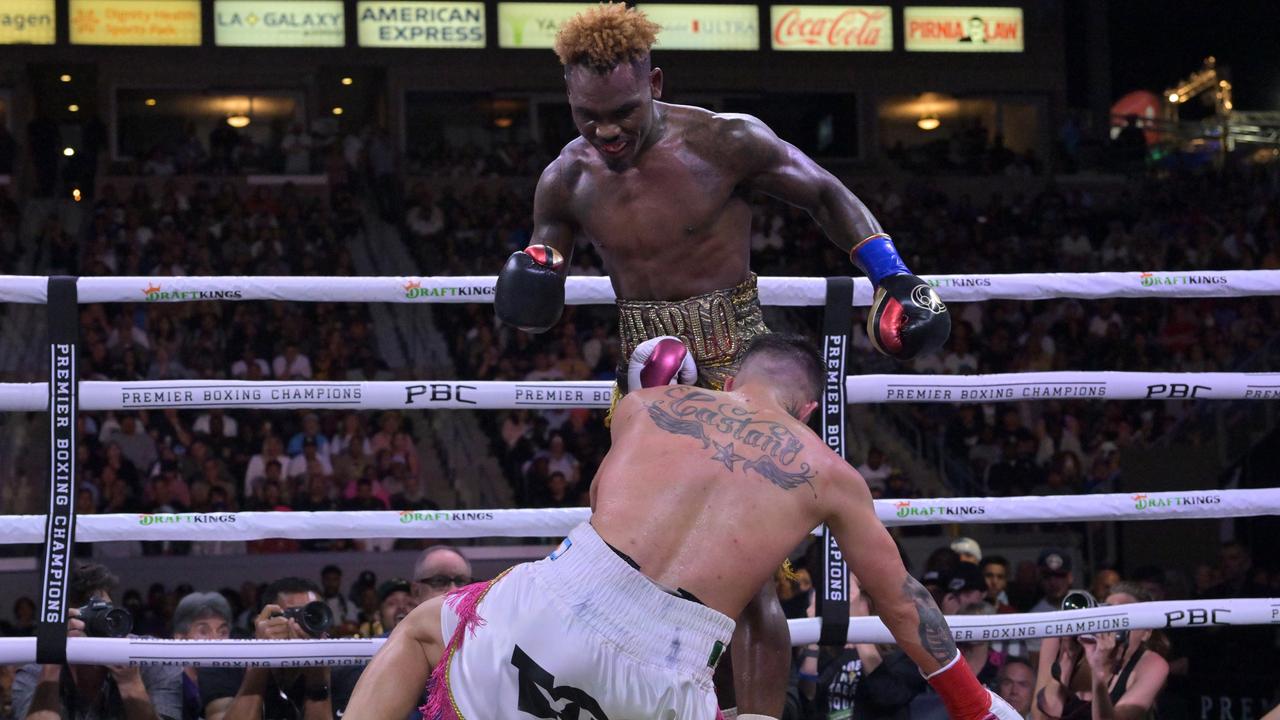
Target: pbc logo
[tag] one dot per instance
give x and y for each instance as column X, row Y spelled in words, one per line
column 1196, row 617
column 1175, row 391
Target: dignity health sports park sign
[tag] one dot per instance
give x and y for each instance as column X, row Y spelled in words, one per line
column 279, row 23
column 421, row 24
column 135, row 22
column 963, row 29
column 836, row 28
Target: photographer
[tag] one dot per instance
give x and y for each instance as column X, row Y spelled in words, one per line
column 1100, row 676
column 292, row 610
column 90, row 692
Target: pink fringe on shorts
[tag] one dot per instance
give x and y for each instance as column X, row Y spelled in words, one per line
column 465, row 602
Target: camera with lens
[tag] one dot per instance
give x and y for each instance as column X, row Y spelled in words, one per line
column 314, row 618
column 102, row 619
column 1084, row 600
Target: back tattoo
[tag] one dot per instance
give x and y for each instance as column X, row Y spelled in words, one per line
column 692, row 412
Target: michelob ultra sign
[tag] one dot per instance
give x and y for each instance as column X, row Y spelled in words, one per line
column 526, row 25
column 279, row 23
column 705, row 27
column 838, row 28
column 135, row 22
column 27, row 22
column 963, row 29
column 421, row 24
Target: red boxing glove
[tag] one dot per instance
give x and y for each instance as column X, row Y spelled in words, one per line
column 965, row 698
column 661, row 361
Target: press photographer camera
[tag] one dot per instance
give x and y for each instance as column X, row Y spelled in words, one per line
column 102, row 619
column 292, row 610
column 114, row 691
column 315, row 618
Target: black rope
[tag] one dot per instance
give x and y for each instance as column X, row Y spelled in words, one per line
column 833, row 600
column 59, row 532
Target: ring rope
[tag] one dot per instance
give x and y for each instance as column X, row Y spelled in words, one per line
column 557, row 522
column 964, row 628
column 580, row 290
column 544, row 395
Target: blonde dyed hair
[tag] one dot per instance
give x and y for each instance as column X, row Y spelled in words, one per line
column 605, row 36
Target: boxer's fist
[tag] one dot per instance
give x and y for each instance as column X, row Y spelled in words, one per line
column 661, row 361
column 530, row 289
column 907, row 318
column 965, row 698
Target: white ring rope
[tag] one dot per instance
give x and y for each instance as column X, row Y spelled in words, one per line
column 774, row 291
column 965, row 628
column 543, row 395
column 557, row 522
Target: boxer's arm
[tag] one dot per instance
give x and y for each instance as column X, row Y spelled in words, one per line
column 392, row 683
column 775, row 167
column 903, row 604
column 553, row 222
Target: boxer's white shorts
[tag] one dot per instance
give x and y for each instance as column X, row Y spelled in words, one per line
column 579, row 635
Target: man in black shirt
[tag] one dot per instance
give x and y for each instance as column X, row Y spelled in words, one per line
column 278, row 693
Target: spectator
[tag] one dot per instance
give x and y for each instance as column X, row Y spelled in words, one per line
column 875, row 470
column 199, row 616
column 364, row 499
column 561, row 461
column 291, row 364
column 95, row 691
column 279, row 693
column 1016, row 684
column 963, row 587
column 134, row 442
column 1104, row 675
column 217, row 424
column 395, row 601
column 1103, row 580
column 310, row 431
column 24, row 618
column 344, row 613
column 310, row 460
column 968, row 549
column 272, row 449
column 439, row 569
column 830, row 677
column 1055, row 582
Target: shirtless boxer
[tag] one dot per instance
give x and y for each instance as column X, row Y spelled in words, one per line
column 662, row 191
column 700, row 498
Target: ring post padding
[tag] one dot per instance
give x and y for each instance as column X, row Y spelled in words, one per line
column 837, row 319
column 59, row 533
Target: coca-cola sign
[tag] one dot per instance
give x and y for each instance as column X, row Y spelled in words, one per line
column 832, row 27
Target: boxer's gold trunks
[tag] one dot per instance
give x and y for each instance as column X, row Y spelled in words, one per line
column 717, row 327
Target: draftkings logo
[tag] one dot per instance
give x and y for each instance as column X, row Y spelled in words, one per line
column 154, row 292
column 413, row 516
column 904, row 508
column 147, row 520
column 1141, row 501
column 1158, row 279
column 959, row 282
column 414, row 290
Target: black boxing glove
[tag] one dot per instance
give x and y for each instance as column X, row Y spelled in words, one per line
column 530, row 289
column 907, row 317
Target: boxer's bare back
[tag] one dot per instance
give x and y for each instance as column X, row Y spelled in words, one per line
column 709, row 491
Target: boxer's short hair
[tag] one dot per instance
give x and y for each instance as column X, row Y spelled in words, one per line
column 795, row 351
column 605, row 36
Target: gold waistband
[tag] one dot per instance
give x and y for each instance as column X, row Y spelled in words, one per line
column 717, row 326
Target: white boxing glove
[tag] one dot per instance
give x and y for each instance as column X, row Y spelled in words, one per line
column 661, row 361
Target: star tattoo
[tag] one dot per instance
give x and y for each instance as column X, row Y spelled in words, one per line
column 726, row 455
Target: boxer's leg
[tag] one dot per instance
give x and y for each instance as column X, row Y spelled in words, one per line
column 391, row 686
column 761, row 653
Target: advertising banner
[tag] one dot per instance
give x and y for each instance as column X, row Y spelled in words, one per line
column 705, row 27
column 279, row 23
column 832, row 28
column 963, row 29
column 420, row 24
column 27, row 22
column 533, row 25
column 135, row 22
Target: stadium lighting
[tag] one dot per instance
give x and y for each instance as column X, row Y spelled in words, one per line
column 68, row 151
column 238, row 121
column 73, row 108
column 928, row 122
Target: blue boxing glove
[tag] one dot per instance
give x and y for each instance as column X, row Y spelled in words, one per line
column 907, row 317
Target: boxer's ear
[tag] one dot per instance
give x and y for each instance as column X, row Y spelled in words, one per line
column 655, row 83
